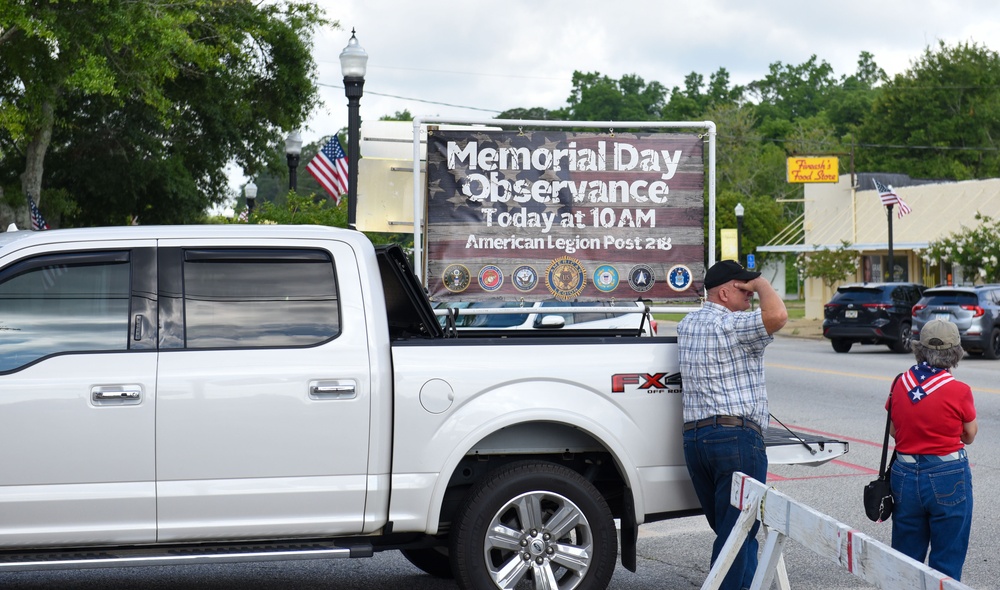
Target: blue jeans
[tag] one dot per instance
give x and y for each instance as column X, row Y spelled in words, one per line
column 933, row 508
column 713, row 454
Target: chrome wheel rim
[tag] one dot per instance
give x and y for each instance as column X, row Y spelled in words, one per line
column 538, row 540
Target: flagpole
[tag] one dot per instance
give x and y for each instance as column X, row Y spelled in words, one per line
column 892, row 264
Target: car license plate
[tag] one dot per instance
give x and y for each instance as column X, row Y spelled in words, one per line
column 944, row 317
column 851, row 314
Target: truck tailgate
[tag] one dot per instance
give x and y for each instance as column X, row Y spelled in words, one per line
column 785, row 447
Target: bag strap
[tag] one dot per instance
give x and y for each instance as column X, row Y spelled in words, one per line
column 888, row 421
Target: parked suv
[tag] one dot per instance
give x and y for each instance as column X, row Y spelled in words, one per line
column 975, row 310
column 871, row 313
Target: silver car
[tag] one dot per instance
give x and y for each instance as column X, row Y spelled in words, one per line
column 593, row 315
column 975, row 310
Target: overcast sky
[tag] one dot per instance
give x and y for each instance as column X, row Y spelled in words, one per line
column 425, row 55
column 474, row 59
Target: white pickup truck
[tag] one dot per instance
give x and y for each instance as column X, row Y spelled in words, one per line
column 172, row 395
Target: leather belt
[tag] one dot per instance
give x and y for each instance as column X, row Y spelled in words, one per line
column 724, row 421
column 960, row 454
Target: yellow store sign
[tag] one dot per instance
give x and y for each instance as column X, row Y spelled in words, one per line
column 813, row 169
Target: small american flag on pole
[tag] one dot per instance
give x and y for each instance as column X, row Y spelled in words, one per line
column 889, row 197
column 329, row 168
column 37, row 221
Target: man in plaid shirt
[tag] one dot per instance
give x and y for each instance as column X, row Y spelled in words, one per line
column 721, row 349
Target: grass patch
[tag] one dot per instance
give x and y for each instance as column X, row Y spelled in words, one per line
column 796, row 311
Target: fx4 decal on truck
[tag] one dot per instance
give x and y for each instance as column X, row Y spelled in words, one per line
column 652, row 383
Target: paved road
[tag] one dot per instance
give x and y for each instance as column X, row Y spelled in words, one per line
column 811, row 389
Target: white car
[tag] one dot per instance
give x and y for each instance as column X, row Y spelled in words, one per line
column 598, row 315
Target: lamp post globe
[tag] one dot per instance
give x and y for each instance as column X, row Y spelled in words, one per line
column 353, row 64
column 250, row 192
column 293, row 148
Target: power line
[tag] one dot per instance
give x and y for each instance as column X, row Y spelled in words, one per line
column 457, row 106
column 930, row 147
column 456, row 73
column 883, row 145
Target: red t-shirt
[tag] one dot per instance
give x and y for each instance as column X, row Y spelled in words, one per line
column 933, row 425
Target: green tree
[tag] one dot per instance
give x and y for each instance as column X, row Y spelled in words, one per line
column 790, row 92
column 691, row 103
column 534, row 114
column 600, row 98
column 975, row 249
column 762, row 218
column 403, row 115
column 140, row 105
column 939, row 119
column 851, row 101
column 830, row 266
column 313, row 209
column 747, row 164
column 301, row 210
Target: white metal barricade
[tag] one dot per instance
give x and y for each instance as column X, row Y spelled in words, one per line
column 784, row 518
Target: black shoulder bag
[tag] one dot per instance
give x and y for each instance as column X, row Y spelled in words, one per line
column 878, row 493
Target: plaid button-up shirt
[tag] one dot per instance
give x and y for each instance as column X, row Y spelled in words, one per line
column 722, row 363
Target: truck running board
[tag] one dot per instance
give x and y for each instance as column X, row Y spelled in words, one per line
column 180, row 555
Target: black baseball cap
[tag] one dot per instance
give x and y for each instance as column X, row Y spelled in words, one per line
column 727, row 270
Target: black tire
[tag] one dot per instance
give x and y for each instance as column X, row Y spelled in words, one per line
column 841, row 345
column 432, row 560
column 536, row 525
column 902, row 343
column 992, row 349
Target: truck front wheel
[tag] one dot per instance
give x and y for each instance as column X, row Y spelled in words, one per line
column 534, row 525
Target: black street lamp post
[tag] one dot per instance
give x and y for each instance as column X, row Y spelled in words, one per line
column 293, row 148
column 353, row 63
column 739, row 233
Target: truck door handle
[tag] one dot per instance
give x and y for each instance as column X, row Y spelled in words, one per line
column 332, row 390
column 116, row 395
column 105, row 395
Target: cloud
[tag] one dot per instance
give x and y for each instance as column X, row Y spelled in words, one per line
column 473, row 59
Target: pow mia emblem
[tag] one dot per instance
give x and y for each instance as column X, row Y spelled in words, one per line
column 565, row 278
column 456, row 278
column 606, row 278
column 490, row 277
column 640, row 278
column 525, row 278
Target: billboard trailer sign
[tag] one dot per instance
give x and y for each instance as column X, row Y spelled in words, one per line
column 573, row 216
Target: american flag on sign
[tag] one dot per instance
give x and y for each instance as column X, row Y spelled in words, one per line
column 889, row 197
column 329, row 168
column 37, row 221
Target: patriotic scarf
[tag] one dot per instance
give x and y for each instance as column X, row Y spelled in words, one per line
column 922, row 380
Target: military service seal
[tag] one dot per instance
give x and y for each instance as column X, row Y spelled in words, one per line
column 565, row 278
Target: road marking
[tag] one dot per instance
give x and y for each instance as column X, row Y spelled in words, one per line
column 861, row 469
column 858, row 375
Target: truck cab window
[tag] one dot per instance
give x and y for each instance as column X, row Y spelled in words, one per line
column 259, row 298
column 63, row 304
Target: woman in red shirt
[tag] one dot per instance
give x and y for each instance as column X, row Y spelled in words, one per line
column 933, row 418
